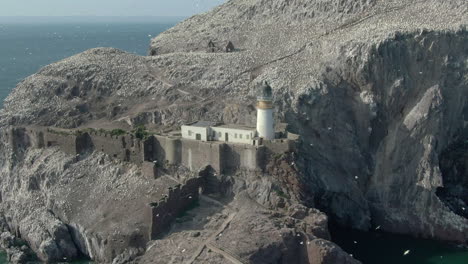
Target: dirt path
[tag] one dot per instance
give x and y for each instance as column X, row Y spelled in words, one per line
column 227, row 255
column 208, row 242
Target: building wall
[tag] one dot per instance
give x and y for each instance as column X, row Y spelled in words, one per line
column 234, row 135
column 198, row 154
column 193, row 154
column 67, row 143
column 126, row 148
column 191, row 132
column 280, row 145
column 166, row 210
column 237, row 156
column 265, row 123
column 167, row 149
column 242, row 136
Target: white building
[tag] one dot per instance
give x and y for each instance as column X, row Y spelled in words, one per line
column 265, row 109
column 210, row 131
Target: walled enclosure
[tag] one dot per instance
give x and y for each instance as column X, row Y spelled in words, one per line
column 152, row 153
column 169, row 208
column 156, row 150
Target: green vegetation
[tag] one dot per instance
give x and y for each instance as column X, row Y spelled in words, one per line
column 141, row 132
column 60, row 132
column 280, row 193
column 118, row 132
column 113, row 132
column 278, row 156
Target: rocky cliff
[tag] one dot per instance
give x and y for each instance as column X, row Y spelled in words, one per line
column 378, row 91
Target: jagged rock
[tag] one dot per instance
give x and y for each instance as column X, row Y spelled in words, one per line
column 128, row 255
column 48, row 237
column 298, row 211
column 7, row 240
column 377, row 90
column 320, row 251
column 195, row 234
column 17, row 256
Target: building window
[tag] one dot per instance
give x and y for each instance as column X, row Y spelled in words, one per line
column 235, row 135
column 219, row 134
column 247, row 137
column 190, row 133
column 240, row 136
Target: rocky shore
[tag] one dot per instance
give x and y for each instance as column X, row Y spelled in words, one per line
column 377, row 90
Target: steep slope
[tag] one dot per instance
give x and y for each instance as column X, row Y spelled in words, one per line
column 377, row 90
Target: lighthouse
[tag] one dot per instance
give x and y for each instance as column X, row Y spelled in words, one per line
column 265, row 122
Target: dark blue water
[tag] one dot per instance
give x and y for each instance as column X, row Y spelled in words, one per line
column 383, row 248
column 4, row 260
column 25, row 48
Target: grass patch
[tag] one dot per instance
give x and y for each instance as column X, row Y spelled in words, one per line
column 141, row 132
column 280, row 193
column 59, row 132
column 118, row 132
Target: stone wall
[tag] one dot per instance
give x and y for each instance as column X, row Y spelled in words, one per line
column 236, row 156
column 126, row 147
column 278, row 146
column 165, row 149
column 193, row 154
column 223, row 157
column 198, row 154
column 66, row 142
column 179, row 199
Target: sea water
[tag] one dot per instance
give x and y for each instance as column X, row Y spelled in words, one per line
column 376, row 247
column 25, row 48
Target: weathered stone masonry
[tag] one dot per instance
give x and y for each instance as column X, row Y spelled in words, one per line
column 168, row 208
column 155, row 152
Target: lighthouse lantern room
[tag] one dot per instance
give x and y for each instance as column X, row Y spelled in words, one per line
column 265, row 121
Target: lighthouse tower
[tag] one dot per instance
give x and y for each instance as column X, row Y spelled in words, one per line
column 265, row 123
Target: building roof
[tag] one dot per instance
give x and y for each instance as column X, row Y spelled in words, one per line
column 215, row 124
column 202, row 124
column 236, row 126
column 220, row 125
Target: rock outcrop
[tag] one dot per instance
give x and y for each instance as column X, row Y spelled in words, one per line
column 377, row 90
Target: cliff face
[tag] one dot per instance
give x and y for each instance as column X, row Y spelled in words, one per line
column 376, row 89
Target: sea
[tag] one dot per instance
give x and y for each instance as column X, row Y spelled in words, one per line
column 377, row 247
column 27, row 45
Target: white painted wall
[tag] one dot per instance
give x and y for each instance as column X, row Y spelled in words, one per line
column 265, row 123
column 235, row 135
column 190, row 132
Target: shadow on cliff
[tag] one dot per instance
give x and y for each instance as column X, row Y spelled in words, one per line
column 373, row 130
